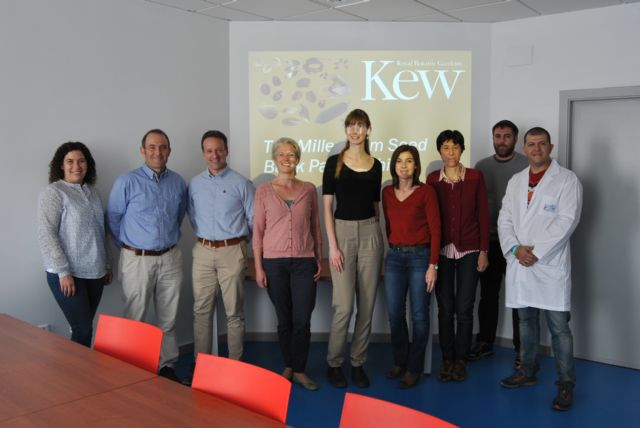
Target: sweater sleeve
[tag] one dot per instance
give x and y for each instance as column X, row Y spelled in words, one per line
column 259, row 221
column 483, row 213
column 316, row 231
column 432, row 212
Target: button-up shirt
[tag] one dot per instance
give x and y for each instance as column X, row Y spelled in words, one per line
column 71, row 230
column 146, row 209
column 221, row 206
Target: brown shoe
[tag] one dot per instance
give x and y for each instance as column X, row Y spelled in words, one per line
column 444, row 374
column 459, row 372
column 409, row 380
column 395, row 372
column 564, row 399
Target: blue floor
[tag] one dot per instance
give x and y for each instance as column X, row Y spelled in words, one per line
column 605, row 396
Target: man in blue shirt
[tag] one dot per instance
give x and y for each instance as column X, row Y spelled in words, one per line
column 145, row 211
column 221, row 212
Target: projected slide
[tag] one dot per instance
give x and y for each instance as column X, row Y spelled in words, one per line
column 410, row 97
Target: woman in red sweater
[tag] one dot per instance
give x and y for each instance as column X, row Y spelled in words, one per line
column 462, row 197
column 413, row 231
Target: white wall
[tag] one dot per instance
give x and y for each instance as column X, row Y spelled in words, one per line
column 594, row 48
column 101, row 72
column 245, row 37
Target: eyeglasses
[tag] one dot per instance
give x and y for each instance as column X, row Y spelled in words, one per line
column 356, row 127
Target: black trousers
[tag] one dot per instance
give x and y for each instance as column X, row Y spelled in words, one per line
column 489, row 305
column 292, row 291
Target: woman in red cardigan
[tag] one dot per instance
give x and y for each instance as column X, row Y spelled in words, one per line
column 464, row 215
column 413, row 231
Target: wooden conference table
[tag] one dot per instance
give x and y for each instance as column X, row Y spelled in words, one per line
column 50, row 381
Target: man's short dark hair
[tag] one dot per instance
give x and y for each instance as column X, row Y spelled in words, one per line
column 536, row 130
column 156, row 131
column 455, row 136
column 214, row 134
column 506, row 124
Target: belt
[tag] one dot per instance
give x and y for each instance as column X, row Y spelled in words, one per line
column 139, row 252
column 218, row 244
column 409, row 248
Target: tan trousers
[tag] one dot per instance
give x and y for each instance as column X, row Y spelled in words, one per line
column 362, row 246
column 148, row 280
column 219, row 270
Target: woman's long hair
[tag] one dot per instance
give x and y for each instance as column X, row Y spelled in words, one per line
column 356, row 116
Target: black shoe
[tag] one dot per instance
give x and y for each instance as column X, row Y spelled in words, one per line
column 444, row 374
column 564, row 399
column 395, row 372
column 481, row 350
column 409, row 380
column 459, row 371
column 336, row 377
column 169, row 373
column 359, row 377
column 518, row 379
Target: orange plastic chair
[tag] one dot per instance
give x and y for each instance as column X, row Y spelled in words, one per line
column 360, row 411
column 249, row 386
column 135, row 342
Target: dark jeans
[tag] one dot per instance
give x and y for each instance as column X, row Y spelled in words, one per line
column 405, row 272
column 80, row 308
column 489, row 305
column 456, row 293
column 292, row 291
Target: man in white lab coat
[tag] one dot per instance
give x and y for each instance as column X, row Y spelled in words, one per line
column 540, row 210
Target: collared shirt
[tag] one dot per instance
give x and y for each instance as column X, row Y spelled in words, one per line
column 221, row 206
column 146, row 209
column 71, row 230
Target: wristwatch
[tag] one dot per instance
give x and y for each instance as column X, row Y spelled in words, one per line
column 434, row 266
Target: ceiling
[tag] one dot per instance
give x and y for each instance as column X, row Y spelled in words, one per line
column 381, row 10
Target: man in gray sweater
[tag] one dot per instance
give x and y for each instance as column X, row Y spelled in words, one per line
column 497, row 170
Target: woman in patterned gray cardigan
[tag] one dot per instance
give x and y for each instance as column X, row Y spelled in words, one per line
column 71, row 235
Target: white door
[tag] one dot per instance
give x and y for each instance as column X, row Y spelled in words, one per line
column 604, row 151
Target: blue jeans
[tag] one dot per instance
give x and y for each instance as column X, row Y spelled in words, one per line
column 405, row 271
column 561, row 342
column 456, row 293
column 292, row 291
column 80, row 308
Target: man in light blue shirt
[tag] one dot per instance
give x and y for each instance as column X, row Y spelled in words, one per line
column 221, row 212
column 145, row 211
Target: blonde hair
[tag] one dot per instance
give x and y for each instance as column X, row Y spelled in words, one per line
column 286, row 140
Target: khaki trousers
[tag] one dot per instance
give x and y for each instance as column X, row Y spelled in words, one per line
column 362, row 246
column 219, row 270
column 157, row 280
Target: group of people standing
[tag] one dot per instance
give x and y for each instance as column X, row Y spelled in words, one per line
column 443, row 235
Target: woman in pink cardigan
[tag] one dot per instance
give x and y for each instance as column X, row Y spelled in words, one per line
column 287, row 248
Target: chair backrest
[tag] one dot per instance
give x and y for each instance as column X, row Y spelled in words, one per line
column 361, row 411
column 135, row 342
column 249, row 386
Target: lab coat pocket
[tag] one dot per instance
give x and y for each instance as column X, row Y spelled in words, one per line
column 549, row 207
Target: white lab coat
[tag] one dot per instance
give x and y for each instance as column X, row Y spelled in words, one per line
column 547, row 224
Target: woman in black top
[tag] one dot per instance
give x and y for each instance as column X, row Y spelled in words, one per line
column 353, row 178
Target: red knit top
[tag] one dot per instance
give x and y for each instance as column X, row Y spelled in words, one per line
column 414, row 221
column 464, row 210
